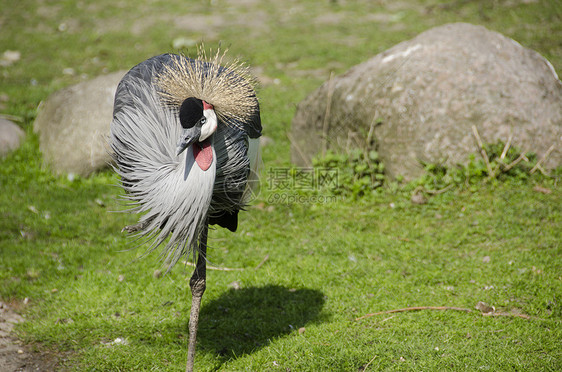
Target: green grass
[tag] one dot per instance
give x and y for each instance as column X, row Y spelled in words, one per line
column 328, row 263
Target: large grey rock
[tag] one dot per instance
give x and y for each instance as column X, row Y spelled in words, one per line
column 420, row 99
column 73, row 125
column 11, row 136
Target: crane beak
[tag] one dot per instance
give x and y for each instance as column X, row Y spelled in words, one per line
column 187, row 137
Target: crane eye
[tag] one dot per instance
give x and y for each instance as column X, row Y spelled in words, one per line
column 203, row 120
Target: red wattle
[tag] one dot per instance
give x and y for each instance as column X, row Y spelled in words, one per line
column 203, row 154
column 207, row 106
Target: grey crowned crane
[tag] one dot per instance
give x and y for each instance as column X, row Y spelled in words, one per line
column 185, row 142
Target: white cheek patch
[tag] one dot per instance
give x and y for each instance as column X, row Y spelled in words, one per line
column 210, row 125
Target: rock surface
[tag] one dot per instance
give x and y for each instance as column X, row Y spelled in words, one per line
column 11, row 136
column 73, row 125
column 420, row 99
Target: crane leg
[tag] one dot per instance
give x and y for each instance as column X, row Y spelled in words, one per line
column 198, row 284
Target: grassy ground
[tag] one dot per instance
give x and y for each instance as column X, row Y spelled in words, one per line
column 90, row 299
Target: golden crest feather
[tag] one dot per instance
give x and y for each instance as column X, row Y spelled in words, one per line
column 228, row 86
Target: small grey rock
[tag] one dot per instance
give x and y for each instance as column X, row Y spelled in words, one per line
column 11, row 136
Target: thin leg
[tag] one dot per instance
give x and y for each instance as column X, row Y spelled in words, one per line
column 198, row 285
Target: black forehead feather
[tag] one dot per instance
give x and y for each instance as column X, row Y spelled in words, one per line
column 191, row 111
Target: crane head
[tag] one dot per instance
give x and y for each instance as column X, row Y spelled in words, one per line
column 198, row 120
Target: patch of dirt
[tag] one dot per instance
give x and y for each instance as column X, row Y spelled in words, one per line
column 16, row 357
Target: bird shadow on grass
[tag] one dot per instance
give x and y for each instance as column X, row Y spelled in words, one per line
column 244, row 320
